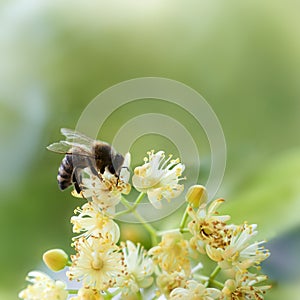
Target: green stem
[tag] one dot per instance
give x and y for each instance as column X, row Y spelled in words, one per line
column 69, row 263
column 216, row 284
column 129, row 207
column 201, row 278
column 139, row 295
column 184, row 219
column 147, row 226
column 138, row 200
column 160, row 233
column 72, row 291
column 109, row 296
column 123, row 212
column 213, row 275
column 126, row 203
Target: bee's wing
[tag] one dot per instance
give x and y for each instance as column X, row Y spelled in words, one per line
column 127, row 160
column 65, row 146
column 77, row 137
column 60, row 147
column 75, row 140
column 125, row 170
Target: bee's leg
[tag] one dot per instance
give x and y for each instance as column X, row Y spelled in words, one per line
column 118, row 175
column 76, row 179
column 112, row 170
column 94, row 171
column 102, row 169
column 92, row 167
column 118, row 179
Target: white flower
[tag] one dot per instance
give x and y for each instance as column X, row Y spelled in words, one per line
column 138, row 269
column 43, row 288
column 91, row 220
column 244, row 287
column 194, row 291
column 104, row 189
column 159, row 177
column 238, row 253
column 98, row 262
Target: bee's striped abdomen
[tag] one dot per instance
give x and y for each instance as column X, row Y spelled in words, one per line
column 65, row 171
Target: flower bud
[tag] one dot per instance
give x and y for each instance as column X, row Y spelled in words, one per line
column 55, row 259
column 88, row 293
column 229, row 287
column 196, row 195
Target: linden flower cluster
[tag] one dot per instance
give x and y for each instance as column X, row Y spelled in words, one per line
column 107, row 268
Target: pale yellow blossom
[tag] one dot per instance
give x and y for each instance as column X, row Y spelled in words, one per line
column 244, row 286
column 159, row 178
column 207, row 227
column 98, row 262
column 171, row 254
column 42, row 287
column 91, row 220
column 194, row 290
column 138, row 270
column 88, row 293
column 104, row 189
column 167, row 282
column 238, row 252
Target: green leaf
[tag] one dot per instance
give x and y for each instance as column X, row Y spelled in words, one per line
column 284, row 291
column 271, row 198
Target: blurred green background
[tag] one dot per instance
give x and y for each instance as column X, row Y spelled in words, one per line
column 242, row 56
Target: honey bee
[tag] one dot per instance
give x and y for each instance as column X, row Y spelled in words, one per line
column 82, row 152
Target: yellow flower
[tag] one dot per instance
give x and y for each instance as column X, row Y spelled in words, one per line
column 159, row 177
column 88, row 293
column 171, row 254
column 244, row 287
column 238, row 252
column 167, row 282
column 91, row 220
column 98, row 262
column 207, row 227
column 43, row 288
column 104, row 189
